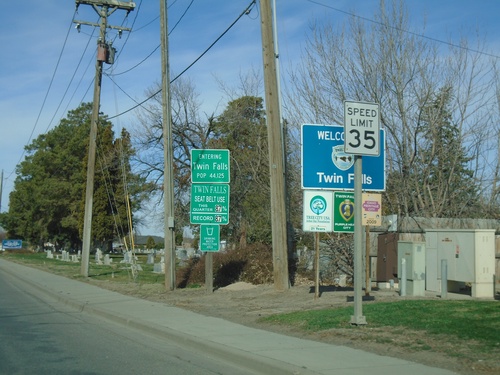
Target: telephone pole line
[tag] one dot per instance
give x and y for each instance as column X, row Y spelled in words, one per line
column 276, row 158
column 168, row 180
column 1, row 190
column 105, row 53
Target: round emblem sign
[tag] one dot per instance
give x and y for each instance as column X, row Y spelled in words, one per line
column 318, row 204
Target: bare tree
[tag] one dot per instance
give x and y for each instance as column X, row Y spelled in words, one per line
column 385, row 62
column 250, row 83
column 491, row 153
column 188, row 131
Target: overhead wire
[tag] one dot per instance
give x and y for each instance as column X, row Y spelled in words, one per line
column 405, row 31
column 93, row 59
column 247, row 9
column 70, row 82
column 128, row 70
column 156, row 49
column 46, row 93
column 154, row 19
column 112, row 200
column 79, row 83
column 136, row 14
column 136, row 65
column 89, row 64
column 110, row 191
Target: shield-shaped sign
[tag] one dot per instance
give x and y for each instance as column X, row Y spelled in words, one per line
column 342, row 160
column 346, row 209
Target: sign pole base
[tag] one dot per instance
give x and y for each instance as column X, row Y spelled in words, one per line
column 358, row 317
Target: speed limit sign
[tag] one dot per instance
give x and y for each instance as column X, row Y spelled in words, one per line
column 361, row 128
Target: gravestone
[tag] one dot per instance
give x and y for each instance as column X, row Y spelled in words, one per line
column 159, row 267
column 107, row 260
column 127, row 257
column 98, row 256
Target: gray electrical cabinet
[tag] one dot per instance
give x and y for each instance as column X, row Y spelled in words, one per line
column 470, row 259
column 411, row 255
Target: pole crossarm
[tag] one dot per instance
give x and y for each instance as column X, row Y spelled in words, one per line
column 126, row 5
column 97, row 25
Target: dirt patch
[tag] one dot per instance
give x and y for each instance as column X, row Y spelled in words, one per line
column 244, row 303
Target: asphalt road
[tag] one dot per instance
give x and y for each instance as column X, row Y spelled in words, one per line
column 41, row 336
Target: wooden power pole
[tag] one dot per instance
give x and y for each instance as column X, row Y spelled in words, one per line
column 276, row 159
column 168, row 181
column 104, row 8
column 1, row 190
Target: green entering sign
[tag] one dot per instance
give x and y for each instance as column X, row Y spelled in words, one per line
column 210, row 166
column 209, row 237
column 343, row 212
column 209, row 204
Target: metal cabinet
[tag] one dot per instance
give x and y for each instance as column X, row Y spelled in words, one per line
column 470, row 258
column 411, row 256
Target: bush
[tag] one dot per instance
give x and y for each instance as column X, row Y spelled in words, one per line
column 252, row 264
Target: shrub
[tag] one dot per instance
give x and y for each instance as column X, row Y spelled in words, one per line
column 252, row 264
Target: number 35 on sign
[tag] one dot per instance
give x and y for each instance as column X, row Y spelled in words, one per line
column 361, row 128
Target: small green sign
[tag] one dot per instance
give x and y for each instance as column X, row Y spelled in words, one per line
column 209, row 237
column 209, row 204
column 343, row 212
column 210, row 166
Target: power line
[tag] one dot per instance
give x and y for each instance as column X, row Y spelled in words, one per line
column 69, row 84
column 136, row 65
column 47, row 93
column 154, row 19
column 156, row 49
column 247, row 9
column 130, row 97
column 138, row 9
column 405, row 31
column 79, row 83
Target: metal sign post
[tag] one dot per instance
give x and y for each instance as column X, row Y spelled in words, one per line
column 358, row 317
column 361, row 133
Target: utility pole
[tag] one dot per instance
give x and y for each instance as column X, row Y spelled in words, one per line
column 276, row 162
column 1, row 190
column 104, row 8
column 168, row 181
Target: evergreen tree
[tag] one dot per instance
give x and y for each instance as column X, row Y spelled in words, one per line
column 448, row 187
column 47, row 203
column 242, row 129
column 44, row 204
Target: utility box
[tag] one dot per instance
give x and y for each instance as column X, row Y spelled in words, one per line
column 412, row 256
column 387, row 257
column 470, row 258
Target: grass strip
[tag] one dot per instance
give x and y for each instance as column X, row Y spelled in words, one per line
column 462, row 319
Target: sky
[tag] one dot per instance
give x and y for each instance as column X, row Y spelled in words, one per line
column 47, row 67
